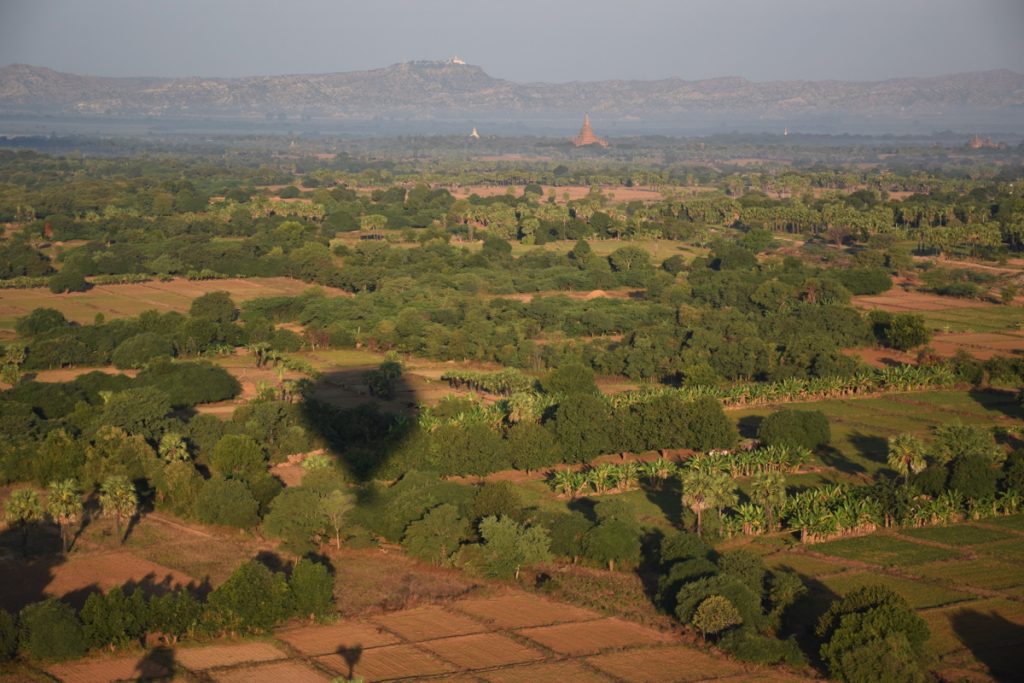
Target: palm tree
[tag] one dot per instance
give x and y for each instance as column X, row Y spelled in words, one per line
column 173, row 448
column 119, row 500
column 64, row 505
column 23, row 509
column 705, row 488
column 906, row 455
column 768, row 489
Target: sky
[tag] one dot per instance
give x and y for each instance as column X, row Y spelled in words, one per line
column 520, row 40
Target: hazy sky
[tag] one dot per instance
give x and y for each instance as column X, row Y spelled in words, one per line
column 523, row 40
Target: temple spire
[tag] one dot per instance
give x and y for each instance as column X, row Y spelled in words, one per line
column 586, row 136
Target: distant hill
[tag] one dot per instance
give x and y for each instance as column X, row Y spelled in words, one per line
column 426, row 90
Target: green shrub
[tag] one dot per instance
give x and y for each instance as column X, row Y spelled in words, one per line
column 228, row 502
column 795, row 428
column 138, row 351
column 8, row 636
column 253, row 599
column 50, row 630
column 312, row 589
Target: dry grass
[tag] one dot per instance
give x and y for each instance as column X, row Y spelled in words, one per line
column 593, row 636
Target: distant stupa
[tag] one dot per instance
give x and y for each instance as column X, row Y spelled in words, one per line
column 474, row 135
column 586, row 136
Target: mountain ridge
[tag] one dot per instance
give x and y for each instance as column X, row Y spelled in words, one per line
column 430, row 89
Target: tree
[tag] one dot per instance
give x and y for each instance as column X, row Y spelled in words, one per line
column 437, row 536
column 613, row 541
column 581, row 427
column 228, row 502
column 252, row 599
column 973, row 476
column 64, row 505
column 297, row 517
column 509, row 546
column 67, row 280
column 119, row 500
column 140, row 410
column 906, row 455
column 50, row 630
column 714, row 615
column 239, row 456
column 768, row 489
column 704, row 489
column 312, row 589
column 216, row 307
column 173, row 448
column 142, row 349
column 570, row 379
column 335, row 507
column 22, row 510
column 801, row 428
column 872, row 618
column 906, row 331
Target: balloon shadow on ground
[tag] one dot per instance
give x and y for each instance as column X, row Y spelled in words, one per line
column 360, row 427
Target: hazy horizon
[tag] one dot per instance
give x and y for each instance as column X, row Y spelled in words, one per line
column 530, row 42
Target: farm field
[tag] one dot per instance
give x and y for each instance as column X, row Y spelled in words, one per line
column 958, row 578
column 383, row 648
column 122, row 301
column 860, row 427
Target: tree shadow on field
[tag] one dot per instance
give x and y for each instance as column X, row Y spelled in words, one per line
column 994, row 640
column 801, row 619
column 351, row 654
column 27, row 564
column 749, row 425
column 158, row 664
column 668, row 496
column 362, row 430
column 998, row 400
column 831, row 457
column 870, row 446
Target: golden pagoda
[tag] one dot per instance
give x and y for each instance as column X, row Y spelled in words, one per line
column 586, row 136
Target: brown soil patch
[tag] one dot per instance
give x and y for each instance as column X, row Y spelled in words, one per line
column 426, row 623
column 522, row 610
column 679, row 664
column 81, row 574
column 105, row 670
column 593, row 636
column 279, row 672
column 394, row 661
column 554, row 672
column 482, row 651
column 983, row 345
column 212, row 656
column 324, row 640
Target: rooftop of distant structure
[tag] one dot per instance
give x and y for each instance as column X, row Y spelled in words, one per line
column 587, row 137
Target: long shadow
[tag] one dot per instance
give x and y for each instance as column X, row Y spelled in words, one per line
column 801, row 619
column 994, row 641
column 998, row 400
column 749, row 425
column 351, row 654
column 27, row 564
column 157, row 664
column 831, row 457
column 667, row 495
column 870, row 446
column 362, row 430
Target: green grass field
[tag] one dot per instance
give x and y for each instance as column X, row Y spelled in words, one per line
column 886, row 551
column 994, row 318
column 956, row 535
